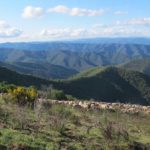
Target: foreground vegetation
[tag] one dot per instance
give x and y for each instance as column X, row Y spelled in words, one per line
column 48, row 126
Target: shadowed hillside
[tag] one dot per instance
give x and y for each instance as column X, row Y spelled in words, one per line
column 109, row 84
column 42, row 70
column 21, row 79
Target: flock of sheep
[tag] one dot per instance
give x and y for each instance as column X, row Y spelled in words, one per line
column 127, row 108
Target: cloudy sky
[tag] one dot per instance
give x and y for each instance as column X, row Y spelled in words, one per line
column 43, row 20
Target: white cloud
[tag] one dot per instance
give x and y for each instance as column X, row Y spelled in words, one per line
column 120, row 13
column 11, row 32
column 134, row 21
column 139, row 21
column 55, row 32
column 76, row 11
column 31, row 12
column 97, row 30
column 6, row 31
column 103, row 31
column 115, row 29
column 86, row 12
column 79, row 32
column 3, row 24
column 119, row 28
column 63, row 33
column 59, row 9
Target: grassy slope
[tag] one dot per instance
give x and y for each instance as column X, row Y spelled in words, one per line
column 68, row 128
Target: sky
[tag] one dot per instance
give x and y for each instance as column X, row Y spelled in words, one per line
column 46, row 20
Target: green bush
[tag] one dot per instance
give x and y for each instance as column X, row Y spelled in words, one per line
column 4, row 87
column 56, row 94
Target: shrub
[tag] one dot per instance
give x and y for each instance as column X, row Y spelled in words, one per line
column 31, row 94
column 23, row 95
column 56, row 94
column 4, row 87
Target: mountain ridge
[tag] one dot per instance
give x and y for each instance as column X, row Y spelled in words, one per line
column 78, row 57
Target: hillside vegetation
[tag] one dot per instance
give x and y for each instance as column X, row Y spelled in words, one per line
column 13, row 77
column 42, row 70
column 109, row 84
column 50, row 126
column 141, row 65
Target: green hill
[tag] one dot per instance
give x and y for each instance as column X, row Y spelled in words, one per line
column 42, row 70
column 13, row 77
column 109, row 84
column 141, row 65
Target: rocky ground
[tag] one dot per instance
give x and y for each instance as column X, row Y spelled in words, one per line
column 127, row 108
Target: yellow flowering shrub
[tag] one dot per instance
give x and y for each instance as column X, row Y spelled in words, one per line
column 24, row 95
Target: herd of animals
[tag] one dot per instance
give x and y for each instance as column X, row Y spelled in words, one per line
column 87, row 105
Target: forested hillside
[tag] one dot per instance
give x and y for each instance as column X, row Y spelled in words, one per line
column 141, row 65
column 76, row 56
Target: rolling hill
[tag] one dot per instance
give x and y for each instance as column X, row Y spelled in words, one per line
column 42, row 70
column 13, row 77
column 109, row 84
column 141, row 65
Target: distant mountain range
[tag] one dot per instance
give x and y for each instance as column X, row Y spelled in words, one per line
column 50, row 45
column 69, row 57
column 120, row 40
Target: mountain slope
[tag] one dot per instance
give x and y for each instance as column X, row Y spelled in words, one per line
column 110, row 84
column 42, row 70
column 141, row 65
column 76, row 56
column 20, row 79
